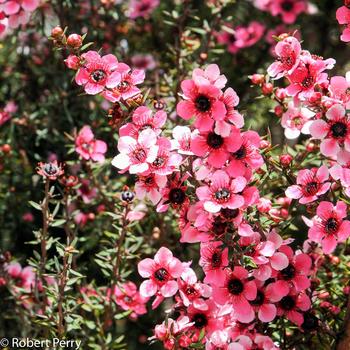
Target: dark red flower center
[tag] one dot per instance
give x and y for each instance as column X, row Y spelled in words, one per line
column 308, row 82
column 339, row 130
column 177, row 196
column 288, row 273
column 200, row 320
column 222, row 195
column 98, row 75
column 287, row 303
column 219, row 227
column 216, row 259
column 191, row 291
column 123, row 86
column 149, row 180
column 228, row 213
column 158, row 162
column 203, row 103
column 140, row 154
column 214, row 140
column 51, row 169
column 235, row 286
column 259, row 300
column 311, row 188
column 331, row 225
column 240, row 154
column 287, row 5
column 161, row 275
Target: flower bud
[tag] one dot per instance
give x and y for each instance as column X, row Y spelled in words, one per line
column 72, row 62
column 75, row 41
column 267, row 89
column 279, row 111
column 6, row 148
column 280, row 94
column 285, row 159
column 257, row 79
column 57, row 32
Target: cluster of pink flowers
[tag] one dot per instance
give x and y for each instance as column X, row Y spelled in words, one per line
column 205, row 172
column 241, row 37
column 288, row 10
column 318, row 107
column 343, row 17
column 14, row 13
column 114, row 80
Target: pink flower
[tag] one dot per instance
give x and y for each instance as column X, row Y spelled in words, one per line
column 307, row 74
column 142, row 8
column 182, row 139
column 222, row 192
column 231, row 100
column 18, row 11
column 143, row 119
column 169, row 329
column 216, row 147
column 128, row 298
column 334, row 132
column 296, row 121
column 288, row 9
column 310, row 185
column 126, row 87
column 296, row 273
column 136, row 155
column 213, row 259
column 191, row 291
column 247, row 156
column 329, row 226
column 201, row 102
column 87, row 192
column 265, row 300
column 6, row 114
column 143, row 61
column 288, row 56
column 248, row 36
column 293, row 305
column 162, row 273
column 238, row 291
column 338, row 88
column 341, row 171
column 209, row 76
column 204, row 318
column 98, row 72
column 174, row 194
column 23, row 277
column 166, row 161
column 88, row 147
column 242, row 37
column 343, row 17
column 150, row 186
